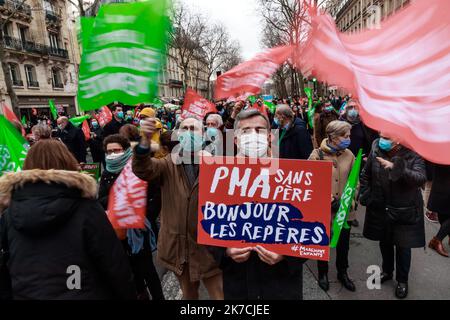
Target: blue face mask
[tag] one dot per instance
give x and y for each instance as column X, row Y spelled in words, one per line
column 385, row 144
column 329, row 109
column 353, row 114
column 120, row 114
column 191, row 142
column 94, row 125
column 344, row 144
column 212, row 133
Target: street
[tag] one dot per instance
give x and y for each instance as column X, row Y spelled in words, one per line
column 429, row 276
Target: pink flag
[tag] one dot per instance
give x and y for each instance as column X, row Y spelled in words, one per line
column 86, row 130
column 250, row 76
column 400, row 73
column 196, row 106
column 127, row 201
column 104, row 116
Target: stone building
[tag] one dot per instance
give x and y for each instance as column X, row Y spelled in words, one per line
column 355, row 15
column 42, row 54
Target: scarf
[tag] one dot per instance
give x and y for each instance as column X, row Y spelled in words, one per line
column 116, row 165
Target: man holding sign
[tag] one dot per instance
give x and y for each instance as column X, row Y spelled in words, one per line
column 262, row 215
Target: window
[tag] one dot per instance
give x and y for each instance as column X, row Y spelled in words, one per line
column 15, row 74
column 23, row 31
column 30, row 72
column 54, row 41
column 7, row 30
column 56, row 78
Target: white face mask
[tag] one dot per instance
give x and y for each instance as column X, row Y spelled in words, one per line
column 114, row 156
column 253, row 145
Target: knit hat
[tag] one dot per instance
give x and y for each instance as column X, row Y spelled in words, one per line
column 148, row 112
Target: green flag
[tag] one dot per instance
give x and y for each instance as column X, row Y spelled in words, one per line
column 270, row 106
column 346, row 201
column 53, row 110
column 311, row 109
column 157, row 102
column 13, row 147
column 124, row 54
column 77, row 121
column 24, row 121
column 252, row 99
column 85, row 30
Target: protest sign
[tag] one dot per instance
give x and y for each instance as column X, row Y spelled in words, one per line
column 104, row 116
column 92, row 169
column 281, row 204
column 128, row 201
column 13, row 147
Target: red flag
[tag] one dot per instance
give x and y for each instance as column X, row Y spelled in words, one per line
column 128, row 201
column 11, row 116
column 86, row 130
column 250, row 76
column 400, row 73
column 104, row 116
column 196, row 106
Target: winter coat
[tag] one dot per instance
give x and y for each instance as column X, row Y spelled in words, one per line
column 342, row 165
column 177, row 241
column 440, row 191
column 256, row 280
column 96, row 146
column 112, row 127
column 398, row 188
column 74, row 140
column 296, row 143
column 153, row 196
column 53, row 224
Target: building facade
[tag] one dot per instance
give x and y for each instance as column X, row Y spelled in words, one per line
column 356, row 15
column 42, row 54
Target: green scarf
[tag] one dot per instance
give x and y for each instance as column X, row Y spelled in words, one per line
column 116, row 165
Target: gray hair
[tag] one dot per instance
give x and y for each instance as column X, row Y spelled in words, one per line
column 42, row 131
column 285, row 111
column 215, row 117
column 247, row 114
column 338, row 128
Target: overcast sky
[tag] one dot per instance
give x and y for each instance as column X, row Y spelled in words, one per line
column 240, row 17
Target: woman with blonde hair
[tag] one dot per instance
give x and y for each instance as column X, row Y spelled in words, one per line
column 334, row 148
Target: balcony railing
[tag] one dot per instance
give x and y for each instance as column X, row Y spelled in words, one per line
column 58, row 85
column 33, row 84
column 33, row 47
column 17, row 6
column 17, row 83
column 57, row 52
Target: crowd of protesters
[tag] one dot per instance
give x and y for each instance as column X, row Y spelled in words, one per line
column 69, row 225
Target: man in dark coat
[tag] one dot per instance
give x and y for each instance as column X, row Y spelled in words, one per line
column 73, row 138
column 255, row 273
column 294, row 140
column 116, row 123
column 96, row 143
column 390, row 189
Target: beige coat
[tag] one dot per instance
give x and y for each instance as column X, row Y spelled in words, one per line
column 177, row 241
column 342, row 165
